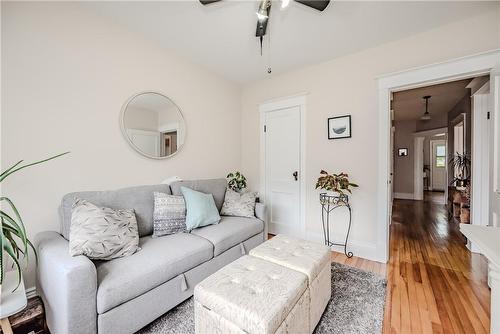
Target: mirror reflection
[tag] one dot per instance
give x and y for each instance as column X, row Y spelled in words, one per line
column 153, row 125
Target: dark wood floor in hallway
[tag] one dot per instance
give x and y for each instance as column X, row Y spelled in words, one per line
column 434, row 284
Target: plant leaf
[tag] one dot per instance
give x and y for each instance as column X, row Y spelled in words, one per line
column 12, row 171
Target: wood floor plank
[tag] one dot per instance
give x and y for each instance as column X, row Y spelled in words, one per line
column 434, row 283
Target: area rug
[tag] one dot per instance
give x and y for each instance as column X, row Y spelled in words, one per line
column 357, row 306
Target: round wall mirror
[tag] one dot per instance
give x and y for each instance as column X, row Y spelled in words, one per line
column 153, row 125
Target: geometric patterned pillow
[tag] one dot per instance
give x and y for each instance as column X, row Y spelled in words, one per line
column 169, row 215
column 102, row 233
column 239, row 204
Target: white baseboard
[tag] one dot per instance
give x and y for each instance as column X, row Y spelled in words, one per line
column 364, row 250
column 31, row 292
column 404, row 195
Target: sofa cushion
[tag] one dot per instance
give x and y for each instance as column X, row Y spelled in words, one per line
column 216, row 187
column 158, row 261
column 229, row 232
column 140, row 199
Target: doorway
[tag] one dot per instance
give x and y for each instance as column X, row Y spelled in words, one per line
column 457, row 69
column 282, row 164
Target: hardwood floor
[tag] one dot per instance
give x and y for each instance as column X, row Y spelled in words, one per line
column 434, row 284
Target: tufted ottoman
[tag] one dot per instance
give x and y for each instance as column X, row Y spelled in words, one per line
column 309, row 258
column 252, row 295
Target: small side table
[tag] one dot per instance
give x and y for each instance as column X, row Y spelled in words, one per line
column 11, row 302
column 328, row 204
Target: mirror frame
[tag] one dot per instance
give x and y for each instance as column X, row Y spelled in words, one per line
column 124, row 130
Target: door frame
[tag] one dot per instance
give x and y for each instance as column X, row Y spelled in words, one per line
column 456, row 69
column 275, row 105
column 481, row 151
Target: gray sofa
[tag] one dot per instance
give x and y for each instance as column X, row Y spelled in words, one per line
column 125, row 294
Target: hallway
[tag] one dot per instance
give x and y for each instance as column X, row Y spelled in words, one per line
column 434, row 284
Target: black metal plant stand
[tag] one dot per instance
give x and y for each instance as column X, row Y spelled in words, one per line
column 328, row 204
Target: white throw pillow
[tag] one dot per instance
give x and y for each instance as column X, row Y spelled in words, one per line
column 102, row 233
column 239, row 204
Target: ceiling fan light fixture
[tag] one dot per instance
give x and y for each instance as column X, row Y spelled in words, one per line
column 261, row 17
column 263, row 13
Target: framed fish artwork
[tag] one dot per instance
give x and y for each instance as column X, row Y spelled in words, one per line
column 339, row 127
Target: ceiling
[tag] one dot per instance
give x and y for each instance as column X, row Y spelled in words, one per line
column 409, row 104
column 222, row 38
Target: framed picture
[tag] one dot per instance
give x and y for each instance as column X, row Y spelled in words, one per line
column 402, row 152
column 339, row 127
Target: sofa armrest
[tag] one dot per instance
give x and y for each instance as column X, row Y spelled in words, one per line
column 67, row 285
column 260, row 211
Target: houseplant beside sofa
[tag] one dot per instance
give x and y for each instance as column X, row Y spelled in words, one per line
column 125, row 294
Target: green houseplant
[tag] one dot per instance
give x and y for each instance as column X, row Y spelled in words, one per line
column 462, row 164
column 338, row 183
column 236, row 181
column 14, row 242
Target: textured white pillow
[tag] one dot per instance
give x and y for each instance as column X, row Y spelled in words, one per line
column 102, row 233
column 239, row 204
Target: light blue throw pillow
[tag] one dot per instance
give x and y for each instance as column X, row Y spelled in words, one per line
column 200, row 209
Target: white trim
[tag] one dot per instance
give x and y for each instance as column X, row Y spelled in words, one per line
column 273, row 105
column 418, row 168
column 455, row 69
column 481, row 134
column 432, row 133
column 31, row 292
column 404, row 195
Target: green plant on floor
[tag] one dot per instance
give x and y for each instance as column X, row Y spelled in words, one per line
column 335, row 182
column 236, row 181
column 14, row 242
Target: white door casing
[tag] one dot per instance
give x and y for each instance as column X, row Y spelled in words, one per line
column 438, row 164
column 282, row 152
column 481, row 159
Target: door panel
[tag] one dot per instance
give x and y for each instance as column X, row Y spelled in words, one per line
column 438, row 167
column 282, row 145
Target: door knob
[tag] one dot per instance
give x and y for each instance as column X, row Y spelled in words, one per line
column 296, row 175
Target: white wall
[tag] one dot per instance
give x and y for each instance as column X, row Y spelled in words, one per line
column 348, row 85
column 66, row 74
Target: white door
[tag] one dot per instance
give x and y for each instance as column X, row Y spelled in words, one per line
column 282, row 170
column 438, row 164
column 148, row 142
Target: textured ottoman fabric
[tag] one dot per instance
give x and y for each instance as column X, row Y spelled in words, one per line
column 253, row 296
column 309, row 258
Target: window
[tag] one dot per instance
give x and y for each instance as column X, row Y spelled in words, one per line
column 440, row 156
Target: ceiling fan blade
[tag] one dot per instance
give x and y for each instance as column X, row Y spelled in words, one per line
column 208, row 2
column 316, row 4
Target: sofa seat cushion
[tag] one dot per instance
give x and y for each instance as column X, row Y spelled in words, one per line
column 229, row 232
column 158, row 260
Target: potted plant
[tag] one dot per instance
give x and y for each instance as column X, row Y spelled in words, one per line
column 14, row 242
column 236, row 181
column 462, row 164
column 336, row 184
